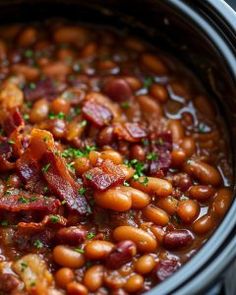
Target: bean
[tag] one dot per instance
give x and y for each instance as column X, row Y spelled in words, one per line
column 64, row 276
column 156, row 215
column 177, row 239
column 154, row 64
column 180, row 90
column 221, row 202
column 205, row 107
column 105, row 136
column 89, row 50
column 27, row 37
column 74, row 288
column 137, row 152
column 168, row 204
column 60, row 105
column 113, row 280
column 119, row 292
column 201, row 192
column 81, row 165
column 40, row 111
column 71, row 235
column 178, row 158
column 28, row 72
column 134, row 283
column 144, row 241
column 118, row 90
column 93, row 277
column 121, row 254
column 150, row 108
column 177, row 130
column 188, row 210
column 57, row 127
column 134, row 83
column 94, row 157
column 11, row 96
column 204, row 172
column 145, row 264
column 159, row 92
column 54, row 69
column 158, row 232
column 67, row 257
column 139, row 198
column 188, row 145
column 204, row 224
column 70, row 34
column 98, row 249
column 114, row 156
column 165, row 268
column 161, row 187
column 134, row 44
column 113, row 198
column 183, row 181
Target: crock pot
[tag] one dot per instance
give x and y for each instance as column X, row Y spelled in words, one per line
column 203, row 35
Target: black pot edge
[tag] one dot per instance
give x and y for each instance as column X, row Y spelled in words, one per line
column 189, row 281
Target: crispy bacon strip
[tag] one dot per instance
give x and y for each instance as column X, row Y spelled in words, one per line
column 62, row 184
column 12, row 120
column 5, row 154
column 131, row 132
column 25, row 202
column 47, row 220
column 97, row 113
column 104, row 176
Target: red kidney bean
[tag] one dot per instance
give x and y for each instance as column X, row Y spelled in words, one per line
column 118, row 89
column 122, row 253
column 177, row 239
column 165, row 268
column 71, row 235
column 182, row 181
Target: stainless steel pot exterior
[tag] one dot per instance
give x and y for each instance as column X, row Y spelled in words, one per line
column 202, row 34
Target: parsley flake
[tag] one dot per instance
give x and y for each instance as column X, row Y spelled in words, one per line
column 90, row 235
column 148, row 81
column 46, row 167
column 125, row 105
column 54, row 218
column 38, row 244
column 152, row 156
column 79, row 250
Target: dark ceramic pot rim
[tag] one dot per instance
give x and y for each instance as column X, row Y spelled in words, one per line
column 213, row 258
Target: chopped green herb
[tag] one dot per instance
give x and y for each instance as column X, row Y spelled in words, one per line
column 45, row 139
column 126, row 183
column 183, row 198
column 32, row 283
column 203, row 128
column 89, row 176
column 24, row 265
column 160, row 141
column 144, row 181
column 125, row 104
column 23, row 200
column 79, row 250
column 4, row 223
column 63, row 202
column 32, row 86
column 145, row 141
column 54, row 218
column 76, row 153
column 83, row 123
column 77, row 110
column 138, row 166
column 26, row 117
column 90, row 235
column 77, row 67
column 82, row 191
column 11, row 141
column 46, row 167
column 29, row 53
column 38, row 244
column 56, row 116
column 152, row 156
column 71, row 167
column 32, row 199
column 148, row 81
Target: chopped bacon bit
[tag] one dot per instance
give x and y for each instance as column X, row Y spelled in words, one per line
column 62, row 184
column 96, row 113
column 5, row 154
column 161, row 147
column 12, row 120
column 47, row 220
column 41, row 89
column 131, row 132
column 104, row 176
column 26, row 202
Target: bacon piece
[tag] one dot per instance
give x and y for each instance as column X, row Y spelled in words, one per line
column 106, row 175
column 47, row 220
column 12, row 120
column 97, row 113
column 62, row 184
column 5, row 153
column 161, row 146
column 26, row 202
column 131, row 132
column 41, row 89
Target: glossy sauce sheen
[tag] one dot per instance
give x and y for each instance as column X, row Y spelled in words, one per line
column 114, row 163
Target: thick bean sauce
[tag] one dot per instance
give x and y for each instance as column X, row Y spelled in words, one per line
column 114, row 162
